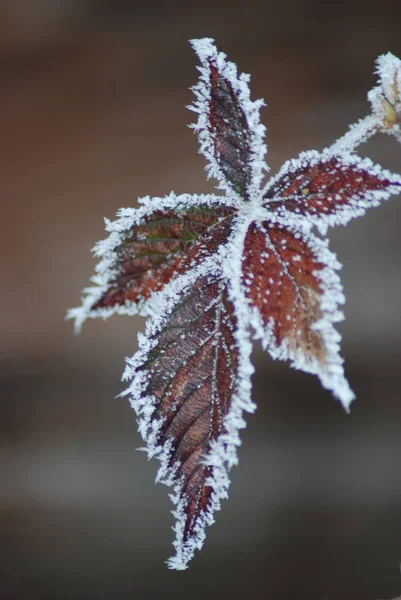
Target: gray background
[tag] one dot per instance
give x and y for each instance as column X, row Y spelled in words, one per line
column 92, row 116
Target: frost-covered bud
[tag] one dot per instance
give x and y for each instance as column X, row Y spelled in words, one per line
column 385, row 99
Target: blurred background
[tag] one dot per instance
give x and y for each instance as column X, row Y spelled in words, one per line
column 92, row 116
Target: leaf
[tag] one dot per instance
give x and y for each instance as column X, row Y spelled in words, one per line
column 329, row 190
column 147, row 249
column 291, row 281
column 165, row 244
column 184, row 383
column 230, row 134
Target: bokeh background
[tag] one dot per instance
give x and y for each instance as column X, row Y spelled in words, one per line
column 91, row 117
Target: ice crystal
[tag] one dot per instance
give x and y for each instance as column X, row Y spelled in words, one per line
column 207, row 269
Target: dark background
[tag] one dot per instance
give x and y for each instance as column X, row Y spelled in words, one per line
column 92, row 115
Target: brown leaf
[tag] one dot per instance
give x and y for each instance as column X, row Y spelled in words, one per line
column 279, row 271
column 166, row 244
column 230, row 131
column 315, row 186
column 191, row 374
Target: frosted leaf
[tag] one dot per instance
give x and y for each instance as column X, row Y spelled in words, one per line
column 147, row 248
column 207, row 270
column 295, row 293
column 228, row 126
column 329, row 190
column 185, row 380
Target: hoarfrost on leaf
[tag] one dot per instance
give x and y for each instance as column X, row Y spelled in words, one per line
column 229, row 130
column 208, row 270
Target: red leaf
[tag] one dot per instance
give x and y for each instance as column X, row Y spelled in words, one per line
column 284, row 287
column 165, row 244
column 189, row 377
column 330, row 189
column 230, row 133
column 290, row 281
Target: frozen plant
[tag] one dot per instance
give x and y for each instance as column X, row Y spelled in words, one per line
column 207, row 270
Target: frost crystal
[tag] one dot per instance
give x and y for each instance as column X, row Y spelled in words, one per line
column 208, row 269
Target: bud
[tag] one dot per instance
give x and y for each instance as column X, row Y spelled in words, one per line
column 385, row 99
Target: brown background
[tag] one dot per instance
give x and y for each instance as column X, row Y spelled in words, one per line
column 92, row 116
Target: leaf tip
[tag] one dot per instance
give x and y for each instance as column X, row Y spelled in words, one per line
column 175, row 563
column 343, row 393
column 347, row 401
column 76, row 315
